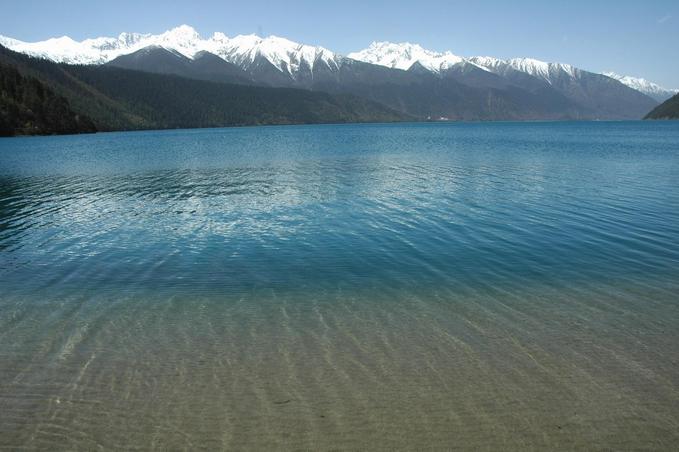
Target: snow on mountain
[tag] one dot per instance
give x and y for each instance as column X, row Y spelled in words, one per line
column 89, row 51
column 7, row 42
column 640, row 84
column 290, row 57
column 243, row 50
column 286, row 55
column 539, row 69
column 404, row 55
column 542, row 69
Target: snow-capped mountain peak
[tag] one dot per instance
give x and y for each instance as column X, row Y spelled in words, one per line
column 8, row 42
column 287, row 56
column 182, row 33
column 131, row 38
column 90, row 51
column 292, row 58
column 649, row 88
column 537, row 68
column 183, row 39
column 542, row 69
column 404, row 55
column 63, row 49
column 243, row 50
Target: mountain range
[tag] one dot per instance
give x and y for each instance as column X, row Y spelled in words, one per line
column 641, row 84
column 38, row 96
column 405, row 78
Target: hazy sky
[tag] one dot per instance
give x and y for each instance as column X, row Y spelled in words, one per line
column 639, row 38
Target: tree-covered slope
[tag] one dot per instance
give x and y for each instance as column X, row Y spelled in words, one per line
column 29, row 107
column 667, row 110
column 122, row 99
column 172, row 101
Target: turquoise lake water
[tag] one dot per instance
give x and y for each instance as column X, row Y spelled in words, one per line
column 482, row 285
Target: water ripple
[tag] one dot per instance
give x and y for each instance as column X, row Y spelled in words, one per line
column 342, row 287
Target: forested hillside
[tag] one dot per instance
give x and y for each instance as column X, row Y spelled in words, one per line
column 29, row 107
column 667, row 110
column 122, row 99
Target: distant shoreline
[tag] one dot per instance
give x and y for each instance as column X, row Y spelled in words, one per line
column 450, row 122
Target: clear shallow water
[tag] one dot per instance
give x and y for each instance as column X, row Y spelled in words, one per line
column 386, row 286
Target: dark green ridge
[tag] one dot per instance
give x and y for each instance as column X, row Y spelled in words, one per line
column 29, row 107
column 667, row 110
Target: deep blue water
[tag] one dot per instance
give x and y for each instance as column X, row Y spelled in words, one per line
column 476, row 270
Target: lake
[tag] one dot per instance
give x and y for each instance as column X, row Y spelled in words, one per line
column 404, row 286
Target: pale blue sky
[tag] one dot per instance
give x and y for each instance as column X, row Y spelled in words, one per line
column 639, row 38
